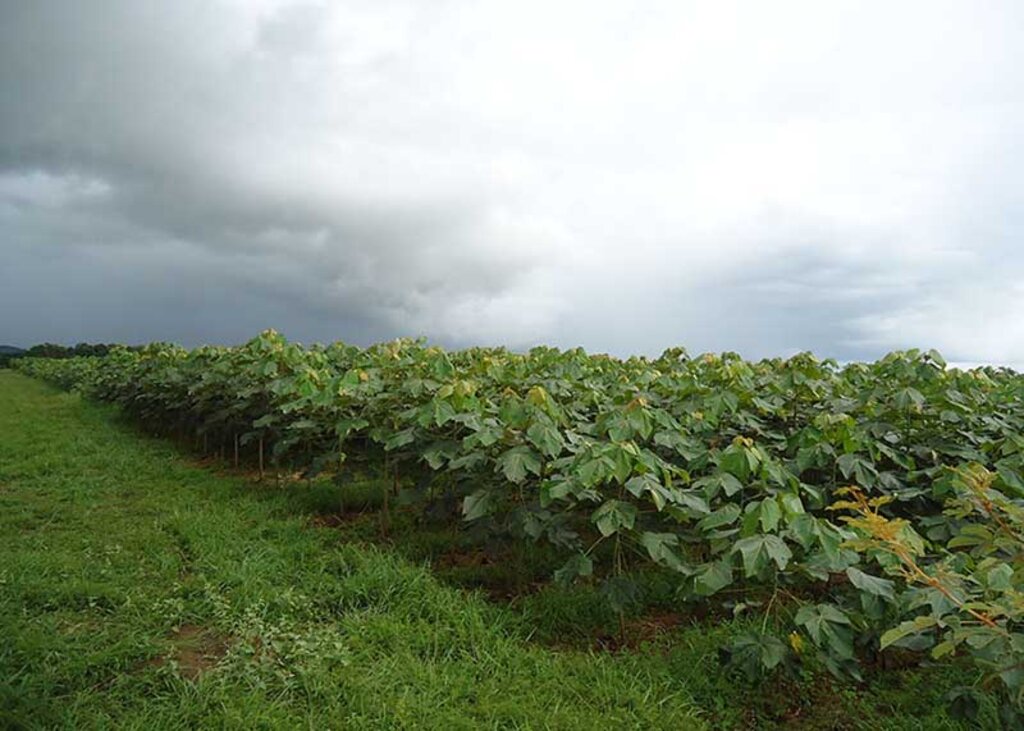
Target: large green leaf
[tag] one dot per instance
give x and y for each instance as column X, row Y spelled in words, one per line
column 659, row 494
column 661, row 548
column 906, row 629
column 871, row 584
column 478, row 505
column 858, row 467
column 828, row 627
column 518, row 462
column 713, row 577
column 769, row 515
column 546, row 437
column 725, row 515
column 613, row 516
column 739, row 460
column 758, row 550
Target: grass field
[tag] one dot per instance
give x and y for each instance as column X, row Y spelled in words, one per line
column 139, row 589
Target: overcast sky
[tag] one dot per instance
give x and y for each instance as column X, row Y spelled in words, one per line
column 846, row 178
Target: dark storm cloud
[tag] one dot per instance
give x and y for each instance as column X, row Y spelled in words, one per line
column 626, row 179
column 176, row 135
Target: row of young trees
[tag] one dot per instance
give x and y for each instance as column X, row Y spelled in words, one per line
column 859, row 507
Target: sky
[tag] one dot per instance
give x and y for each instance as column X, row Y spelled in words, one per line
column 768, row 178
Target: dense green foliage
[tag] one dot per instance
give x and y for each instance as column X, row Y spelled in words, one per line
column 866, row 505
column 139, row 590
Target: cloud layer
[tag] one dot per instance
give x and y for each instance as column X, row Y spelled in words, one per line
column 842, row 177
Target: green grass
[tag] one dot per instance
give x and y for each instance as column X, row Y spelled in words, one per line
column 139, row 590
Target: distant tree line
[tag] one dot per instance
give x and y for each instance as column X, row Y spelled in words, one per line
column 52, row 350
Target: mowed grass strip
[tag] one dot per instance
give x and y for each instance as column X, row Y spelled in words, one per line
column 139, row 591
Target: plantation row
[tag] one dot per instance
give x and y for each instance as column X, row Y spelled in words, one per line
column 857, row 506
